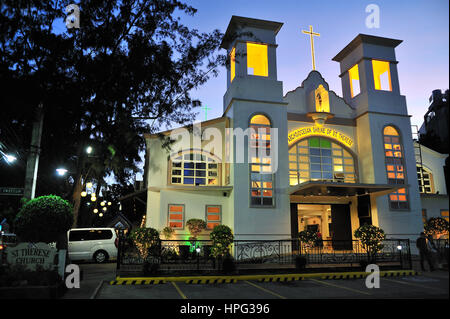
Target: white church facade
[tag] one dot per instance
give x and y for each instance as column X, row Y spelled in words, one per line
column 313, row 160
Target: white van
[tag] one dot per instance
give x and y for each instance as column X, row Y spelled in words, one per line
column 97, row 244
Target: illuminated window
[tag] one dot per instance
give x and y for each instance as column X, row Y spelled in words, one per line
column 319, row 159
column 261, row 177
column 424, row 216
column 257, row 59
column 176, row 216
column 444, row 214
column 232, row 64
column 395, row 168
column 195, row 169
column 425, row 179
column 354, row 80
column 381, row 75
column 213, row 216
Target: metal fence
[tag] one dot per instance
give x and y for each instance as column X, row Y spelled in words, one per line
column 195, row 255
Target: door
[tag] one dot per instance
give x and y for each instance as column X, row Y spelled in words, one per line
column 79, row 244
column 341, row 227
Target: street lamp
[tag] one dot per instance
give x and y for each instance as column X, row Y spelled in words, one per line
column 83, row 194
column 89, row 149
column 61, row 171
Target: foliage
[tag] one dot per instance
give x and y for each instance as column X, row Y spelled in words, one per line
column 168, row 232
column 371, row 238
column 436, row 227
column 146, row 240
column 195, row 226
column 222, row 237
column 308, row 237
column 127, row 70
column 44, row 219
column 18, row 275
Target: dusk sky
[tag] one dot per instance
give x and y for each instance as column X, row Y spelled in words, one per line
column 422, row 25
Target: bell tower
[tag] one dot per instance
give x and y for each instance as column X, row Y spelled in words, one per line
column 254, row 99
column 370, row 85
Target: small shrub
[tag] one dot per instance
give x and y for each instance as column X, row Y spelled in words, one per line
column 308, row 237
column 222, row 238
column 168, row 232
column 146, row 240
column 371, row 238
column 436, row 227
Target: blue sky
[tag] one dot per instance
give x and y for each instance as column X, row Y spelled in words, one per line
column 422, row 25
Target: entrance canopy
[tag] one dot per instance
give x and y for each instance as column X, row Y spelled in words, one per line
column 320, row 188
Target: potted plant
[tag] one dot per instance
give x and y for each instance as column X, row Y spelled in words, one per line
column 195, row 227
column 371, row 238
column 222, row 238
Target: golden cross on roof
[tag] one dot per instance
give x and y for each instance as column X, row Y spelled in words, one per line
column 311, row 35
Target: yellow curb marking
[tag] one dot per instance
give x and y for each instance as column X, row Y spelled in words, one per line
column 337, row 286
column 265, row 290
column 179, row 290
column 263, row 278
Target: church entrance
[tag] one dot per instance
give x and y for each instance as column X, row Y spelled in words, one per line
column 331, row 221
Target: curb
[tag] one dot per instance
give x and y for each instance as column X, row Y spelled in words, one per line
column 261, row 278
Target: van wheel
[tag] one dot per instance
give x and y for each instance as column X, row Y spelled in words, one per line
column 100, row 256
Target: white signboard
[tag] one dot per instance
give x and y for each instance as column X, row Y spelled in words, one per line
column 31, row 255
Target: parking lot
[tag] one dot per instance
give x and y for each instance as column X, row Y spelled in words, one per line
column 430, row 285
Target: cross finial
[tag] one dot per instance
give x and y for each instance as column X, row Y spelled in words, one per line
column 205, row 108
column 311, row 35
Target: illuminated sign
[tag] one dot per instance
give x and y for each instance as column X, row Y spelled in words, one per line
column 303, row 132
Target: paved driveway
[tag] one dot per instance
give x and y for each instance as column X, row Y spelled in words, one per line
column 430, row 285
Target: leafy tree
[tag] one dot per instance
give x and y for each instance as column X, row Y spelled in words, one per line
column 44, row 219
column 371, row 238
column 127, row 70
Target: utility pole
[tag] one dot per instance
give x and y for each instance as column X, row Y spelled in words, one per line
column 33, row 155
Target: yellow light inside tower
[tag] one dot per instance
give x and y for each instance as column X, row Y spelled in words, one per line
column 381, row 75
column 354, row 80
column 257, row 63
column 232, row 64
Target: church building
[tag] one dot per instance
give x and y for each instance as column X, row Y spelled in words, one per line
column 308, row 159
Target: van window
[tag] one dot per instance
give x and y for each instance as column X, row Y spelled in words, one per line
column 78, row 235
column 99, row 234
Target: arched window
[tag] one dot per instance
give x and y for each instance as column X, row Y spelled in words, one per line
column 261, row 177
column 320, row 159
column 395, row 167
column 194, row 168
column 425, row 179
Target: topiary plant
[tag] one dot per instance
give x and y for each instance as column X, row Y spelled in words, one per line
column 146, row 240
column 222, row 237
column 371, row 238
column 195, row 226
column 44, row 219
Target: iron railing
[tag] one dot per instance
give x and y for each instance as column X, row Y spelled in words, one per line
column 195, row 255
